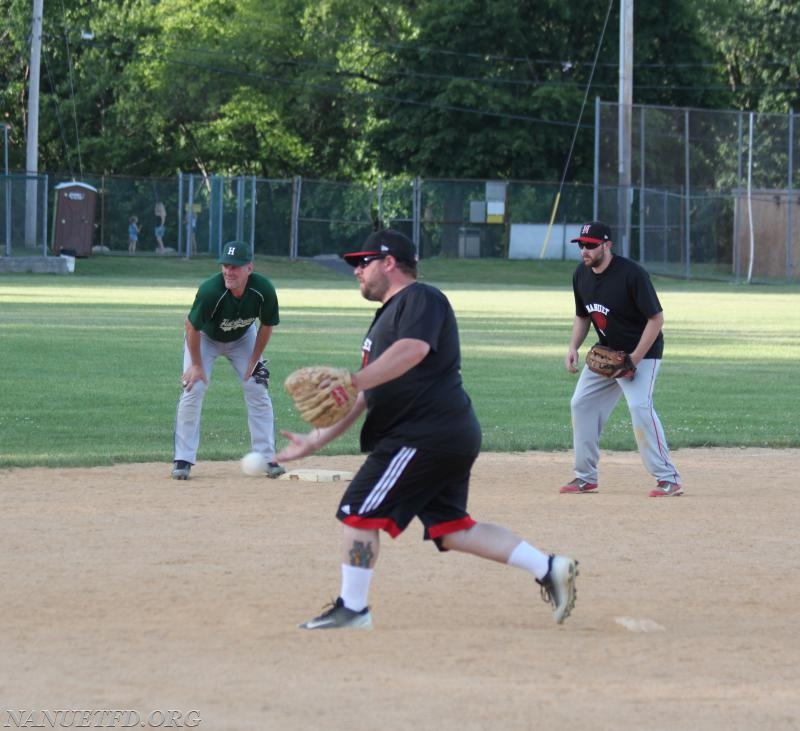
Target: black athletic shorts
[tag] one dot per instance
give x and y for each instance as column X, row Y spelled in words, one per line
column 395, row 485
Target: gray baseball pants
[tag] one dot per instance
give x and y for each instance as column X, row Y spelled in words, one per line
column 260, row 416
column 593, row 401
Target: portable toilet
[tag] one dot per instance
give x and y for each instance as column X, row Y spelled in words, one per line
column 73, row 228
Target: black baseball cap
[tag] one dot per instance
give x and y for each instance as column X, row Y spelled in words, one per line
column 235, row 252
column 594, row 232
column 386, row 242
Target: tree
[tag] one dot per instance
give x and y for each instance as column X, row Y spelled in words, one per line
column 467, row 94
column 676, row 63
column 347, row 89
column 494, row 89
column 757, row 41
column 14, row 71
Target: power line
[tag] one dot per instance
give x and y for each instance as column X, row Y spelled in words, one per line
column 563, row 65
column 72, row 89
column 371, row 95
column 57, row 109
column 585, row 97
column 528, row 61
column 575, row 133
column 338, row 89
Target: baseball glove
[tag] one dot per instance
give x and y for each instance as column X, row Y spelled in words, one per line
column 260, row 373
column 322, row 395
column 609, row 362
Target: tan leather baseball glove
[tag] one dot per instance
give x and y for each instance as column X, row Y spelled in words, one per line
column 609, row 362
column 322, row 395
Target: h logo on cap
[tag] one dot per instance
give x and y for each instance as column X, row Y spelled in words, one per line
column 231, row 250
column 586, row 228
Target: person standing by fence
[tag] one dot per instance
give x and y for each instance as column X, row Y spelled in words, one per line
column 133, row 234
column 160, row 227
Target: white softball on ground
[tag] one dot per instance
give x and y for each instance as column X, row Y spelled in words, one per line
column 254, row 464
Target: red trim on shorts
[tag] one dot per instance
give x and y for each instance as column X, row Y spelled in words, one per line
column 452, row 526
column 387, row 524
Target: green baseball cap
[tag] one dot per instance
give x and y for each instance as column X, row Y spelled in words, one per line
column 235, row 252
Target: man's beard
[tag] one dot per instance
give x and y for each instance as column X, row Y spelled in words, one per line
column 372, row 291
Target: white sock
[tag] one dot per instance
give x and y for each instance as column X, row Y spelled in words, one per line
column 355, row 586
column 525, row 556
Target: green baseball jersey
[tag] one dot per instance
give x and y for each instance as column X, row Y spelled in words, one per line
column 223, row 317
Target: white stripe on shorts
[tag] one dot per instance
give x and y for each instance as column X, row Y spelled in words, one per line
column 388, row 479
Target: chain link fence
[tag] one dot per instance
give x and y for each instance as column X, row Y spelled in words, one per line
column 24, row 214
column 711, row 195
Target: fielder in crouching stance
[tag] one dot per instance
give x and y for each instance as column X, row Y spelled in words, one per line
column 222, row 321
column 422, row 437
column 614, row 295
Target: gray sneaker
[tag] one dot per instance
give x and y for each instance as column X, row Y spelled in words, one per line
column 558, row 587
column 275, row 470
column 338, row 616
column 181, row 470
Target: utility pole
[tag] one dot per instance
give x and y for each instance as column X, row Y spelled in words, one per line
column 624, row 122
column 7, row 190
column 32, row 149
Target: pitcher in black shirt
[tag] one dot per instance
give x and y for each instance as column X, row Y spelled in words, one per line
column 422, row 437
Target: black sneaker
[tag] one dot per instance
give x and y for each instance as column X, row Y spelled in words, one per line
column 338, row 616
column 558, row 587
column 274, row 470
column 181, row 469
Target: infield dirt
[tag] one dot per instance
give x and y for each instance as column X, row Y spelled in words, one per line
column 124, row 589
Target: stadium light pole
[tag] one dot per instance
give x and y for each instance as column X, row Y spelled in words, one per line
column 32, row 137
column 624, row 122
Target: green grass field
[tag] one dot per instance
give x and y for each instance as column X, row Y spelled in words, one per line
column 90, row 362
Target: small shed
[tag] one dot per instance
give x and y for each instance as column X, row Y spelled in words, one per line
column 73, row 227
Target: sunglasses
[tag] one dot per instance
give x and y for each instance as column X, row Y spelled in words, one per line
column 365, row 260
column 589, row 247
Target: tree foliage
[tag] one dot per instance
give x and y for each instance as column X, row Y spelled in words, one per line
column 350, row 89
column 756, row 41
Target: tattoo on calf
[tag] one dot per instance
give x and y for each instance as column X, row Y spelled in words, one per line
column 361, row 554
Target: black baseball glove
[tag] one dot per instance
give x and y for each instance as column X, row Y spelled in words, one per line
column 260, row 373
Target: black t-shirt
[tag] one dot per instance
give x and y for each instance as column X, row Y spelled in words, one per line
column 620, row 300
column 427, row 406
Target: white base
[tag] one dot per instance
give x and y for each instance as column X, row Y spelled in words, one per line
column 310, row 475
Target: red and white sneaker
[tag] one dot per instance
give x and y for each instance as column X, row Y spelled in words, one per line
column 578, row 485
column 665, row 488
